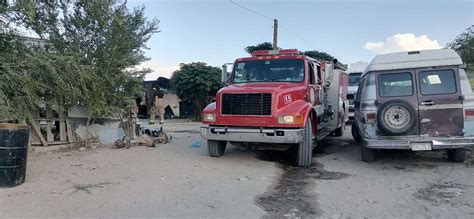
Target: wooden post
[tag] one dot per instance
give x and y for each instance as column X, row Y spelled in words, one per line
column 38, row 132
column 49, row 124
column 62, row 128
column 70, row 138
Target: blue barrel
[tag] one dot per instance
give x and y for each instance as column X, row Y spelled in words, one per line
column 13, row 154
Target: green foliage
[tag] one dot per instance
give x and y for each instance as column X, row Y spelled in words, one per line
column 86, row 55
column 464, row 46
column 260, row 46
column 197, row 82
column 321, row 56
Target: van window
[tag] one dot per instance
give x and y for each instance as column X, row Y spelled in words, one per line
column 396, row 84
column 437, row 82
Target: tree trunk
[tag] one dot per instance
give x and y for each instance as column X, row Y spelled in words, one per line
column 198, row 107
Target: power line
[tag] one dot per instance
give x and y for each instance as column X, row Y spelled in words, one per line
column 248, row 9
column 269, row 18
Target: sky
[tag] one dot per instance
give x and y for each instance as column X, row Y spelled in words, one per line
column 217, row 31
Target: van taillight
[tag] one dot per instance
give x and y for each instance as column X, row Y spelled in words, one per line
column 370, row 117
column 469, row 113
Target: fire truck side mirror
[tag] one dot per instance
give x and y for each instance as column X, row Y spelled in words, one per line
column 225, row 73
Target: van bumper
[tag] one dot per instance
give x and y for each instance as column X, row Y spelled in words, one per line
column 260, row 135
column 404, row 144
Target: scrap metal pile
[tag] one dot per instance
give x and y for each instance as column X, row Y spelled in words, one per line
column 149, row 137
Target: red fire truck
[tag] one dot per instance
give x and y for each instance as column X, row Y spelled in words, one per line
column 277, row 99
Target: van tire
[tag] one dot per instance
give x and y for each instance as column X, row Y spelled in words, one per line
column 368, row 154
column 392, row 105
column 355, row 133
column 457, row 155
column 216, row 148
column 304, row 155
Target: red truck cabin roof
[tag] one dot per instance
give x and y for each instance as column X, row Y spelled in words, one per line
column 276, row 54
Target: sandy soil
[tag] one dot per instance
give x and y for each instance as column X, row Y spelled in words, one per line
column 177, row 180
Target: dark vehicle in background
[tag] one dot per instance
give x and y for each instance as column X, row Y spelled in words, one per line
column 419, row 101
column 354, row 79
column 355, row 72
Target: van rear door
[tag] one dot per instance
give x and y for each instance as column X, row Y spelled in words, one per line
column 440, row 102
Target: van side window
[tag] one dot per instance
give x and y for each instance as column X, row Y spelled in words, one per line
column 437, row 82
column 395, row 85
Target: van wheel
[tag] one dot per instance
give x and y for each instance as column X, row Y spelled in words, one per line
column 396, row 117
column 355, row 133
column 457, row 155
column 304, row 156
column 216, row 148
column 368, row 154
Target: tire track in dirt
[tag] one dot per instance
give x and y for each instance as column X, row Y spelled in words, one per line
column 293, row 195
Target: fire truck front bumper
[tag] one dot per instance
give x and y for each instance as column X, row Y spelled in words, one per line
column 260, row 135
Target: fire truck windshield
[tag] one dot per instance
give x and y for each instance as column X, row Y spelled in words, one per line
column 289, row 70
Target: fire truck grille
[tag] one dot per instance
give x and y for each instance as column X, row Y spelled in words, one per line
column 247, row 104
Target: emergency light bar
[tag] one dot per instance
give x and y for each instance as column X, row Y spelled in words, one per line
column 287, row 52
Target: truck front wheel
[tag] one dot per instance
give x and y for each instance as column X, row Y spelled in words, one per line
column 216, row 148
column 457, row 155
column 304, row 156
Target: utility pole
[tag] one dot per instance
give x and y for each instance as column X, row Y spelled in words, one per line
column 275, row 34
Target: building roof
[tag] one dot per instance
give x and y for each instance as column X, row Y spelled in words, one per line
column 414, row 59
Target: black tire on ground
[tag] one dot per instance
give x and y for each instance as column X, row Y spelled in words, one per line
column 355, row 133
column 396, row 117
column 367, row 154
column 216, row 148
column 457, row 155
column 304, row 155
column 340, row 131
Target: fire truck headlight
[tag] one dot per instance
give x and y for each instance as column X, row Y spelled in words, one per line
column 209, row 117
column 290, row 119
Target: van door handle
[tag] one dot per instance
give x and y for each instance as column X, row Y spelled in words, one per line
column 427, row 103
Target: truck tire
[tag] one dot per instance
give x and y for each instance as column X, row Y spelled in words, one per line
column 368, row 154
column 304, row 156
column 396, row 117
column 340, row 131
column 457, row 155
column 216, row 148
column 355, row 133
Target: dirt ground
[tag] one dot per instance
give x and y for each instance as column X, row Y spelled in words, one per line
column 180, row 180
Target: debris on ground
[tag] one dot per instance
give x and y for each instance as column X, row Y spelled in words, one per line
column 149, row 137
column 196, row 144
column 244, row 178
column 87, row 187
column 146, row 140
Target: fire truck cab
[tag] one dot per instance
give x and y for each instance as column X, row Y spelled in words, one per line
column 277, row 99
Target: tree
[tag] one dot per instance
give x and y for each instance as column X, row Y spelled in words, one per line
column 198, row 83
column 85, row 56
column 260, row 46
column 464, row 46
column 90, row 51
column 321, row 56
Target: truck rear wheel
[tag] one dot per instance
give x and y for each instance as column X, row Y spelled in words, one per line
column 355, row 133
column 304, row 156
column 340, row 131
column 457, row 155
column 216, row 148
